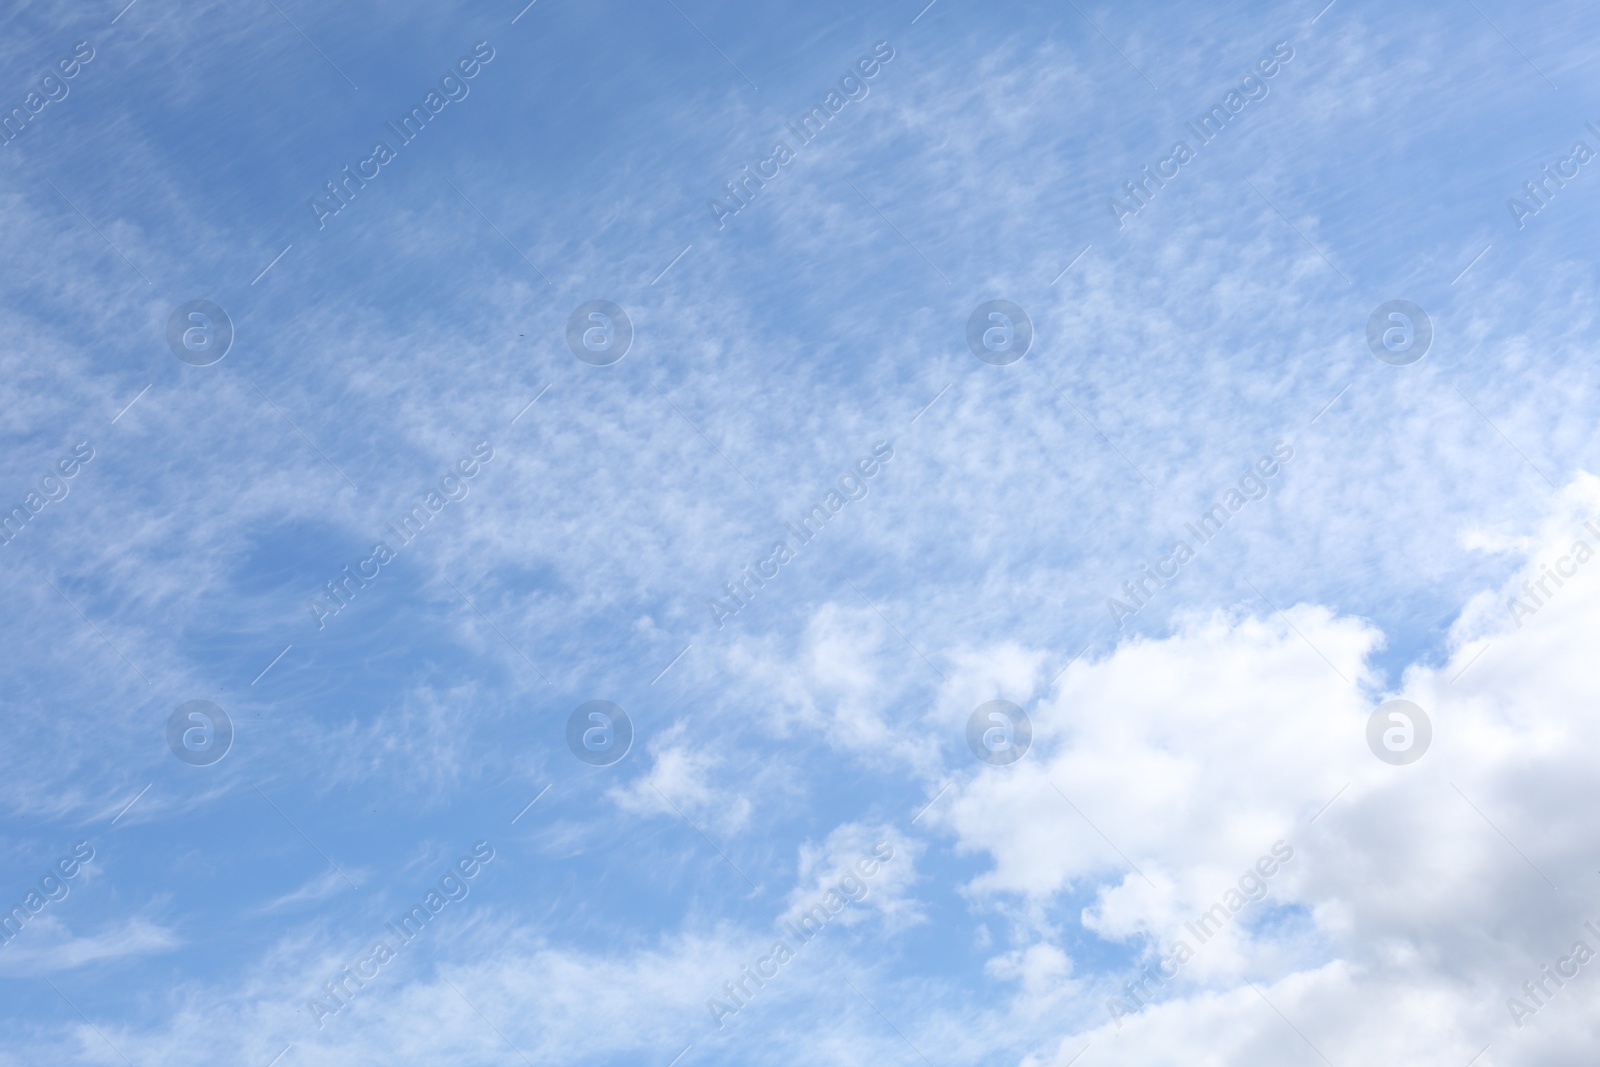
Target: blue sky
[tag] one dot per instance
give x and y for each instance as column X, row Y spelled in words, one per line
column 774, row 349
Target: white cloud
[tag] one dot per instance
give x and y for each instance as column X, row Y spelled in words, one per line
column 318, row 888
column 1422, row 889
column 64, row 951
column 679, row 784
column 873, row 867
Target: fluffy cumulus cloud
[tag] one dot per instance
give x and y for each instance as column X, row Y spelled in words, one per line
column 1280, row 889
